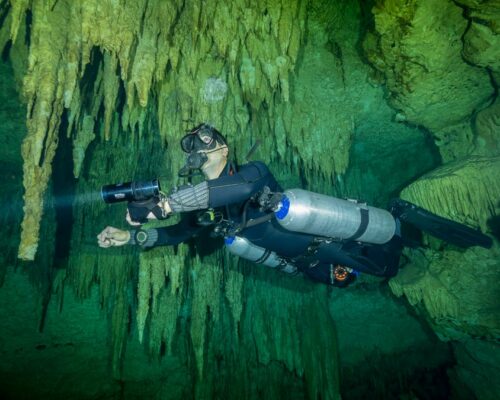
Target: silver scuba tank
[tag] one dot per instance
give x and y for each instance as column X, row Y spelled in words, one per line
column 317, row 214
column 243, row 248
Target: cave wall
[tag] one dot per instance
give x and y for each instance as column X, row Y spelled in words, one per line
column 451, row 90
column 347, row 99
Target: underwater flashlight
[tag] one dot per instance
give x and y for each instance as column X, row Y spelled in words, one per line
column 130, row 191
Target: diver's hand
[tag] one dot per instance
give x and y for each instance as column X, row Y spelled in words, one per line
column 111, row 236
column 128, row 218
column 139, row 212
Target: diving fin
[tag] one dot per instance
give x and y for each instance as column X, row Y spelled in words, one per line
column 442, row 228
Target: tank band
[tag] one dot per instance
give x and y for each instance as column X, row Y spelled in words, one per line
column 264, row 257
column 362, row 226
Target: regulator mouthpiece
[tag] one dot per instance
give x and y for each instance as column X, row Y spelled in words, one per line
column 130, row 191
column 193, row 162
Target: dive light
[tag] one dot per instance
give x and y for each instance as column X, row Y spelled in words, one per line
column 130, row 191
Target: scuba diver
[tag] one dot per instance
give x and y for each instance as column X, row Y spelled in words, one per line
column 327, row 239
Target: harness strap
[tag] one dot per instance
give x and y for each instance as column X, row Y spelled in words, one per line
column 257, row 221
column 308, row 256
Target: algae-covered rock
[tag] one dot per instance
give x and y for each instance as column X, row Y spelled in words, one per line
column 476, row 371
column 482, row 38
column 130, row 77
column 374, row 330
column 457, row 289
column 417, row 46
column 466, row 191
column 487, row 125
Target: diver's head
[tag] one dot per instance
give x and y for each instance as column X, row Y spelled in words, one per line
column 207, row 151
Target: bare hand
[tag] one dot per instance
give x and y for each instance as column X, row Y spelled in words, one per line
column 111, row 236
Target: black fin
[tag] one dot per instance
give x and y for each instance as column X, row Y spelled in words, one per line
column 442, row 228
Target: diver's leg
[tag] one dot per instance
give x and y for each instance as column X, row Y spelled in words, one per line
column 386, row 256
column 442, row 228
column 323, row 272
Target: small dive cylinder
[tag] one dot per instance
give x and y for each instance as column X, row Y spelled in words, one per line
column 243, row 248
column 317, row 214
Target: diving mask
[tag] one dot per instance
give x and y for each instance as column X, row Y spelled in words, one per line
column 203, row 137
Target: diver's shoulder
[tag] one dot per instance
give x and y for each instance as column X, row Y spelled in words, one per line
column 261, row 165
column 256, row 166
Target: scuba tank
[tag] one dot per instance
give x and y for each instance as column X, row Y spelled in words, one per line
column 320, row 215
column 243, row 248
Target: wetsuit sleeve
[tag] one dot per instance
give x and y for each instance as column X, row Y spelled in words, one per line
column 239, row 187
column 167, row 236
column 189, row 198
column 176, row 234
column 222, row 191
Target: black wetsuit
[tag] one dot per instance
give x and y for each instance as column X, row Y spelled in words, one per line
column 230, row 193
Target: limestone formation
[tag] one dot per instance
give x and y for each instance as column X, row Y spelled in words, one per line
column 482, row 38
column 466, row 191
column 158, row 53
column 476, row 371
column 456, row 287
column 417, row 45
column 487, row 125
column 114, row 85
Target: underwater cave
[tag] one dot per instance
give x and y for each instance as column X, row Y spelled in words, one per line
column 352, row 99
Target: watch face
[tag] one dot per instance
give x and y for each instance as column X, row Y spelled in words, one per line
column 141, row 236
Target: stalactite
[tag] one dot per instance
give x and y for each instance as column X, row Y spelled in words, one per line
column 119, row 323
column 80, row 144
column 291, row 340
column 143, row 297
column 18, row 9
column 164, row 321
column 111, row 84
column 234, row 293
column 206, row 304
column 160, row 58
column 43, row 90
column 115, row 270
column 437, row 300
column 5, row 34
column 160, row 68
